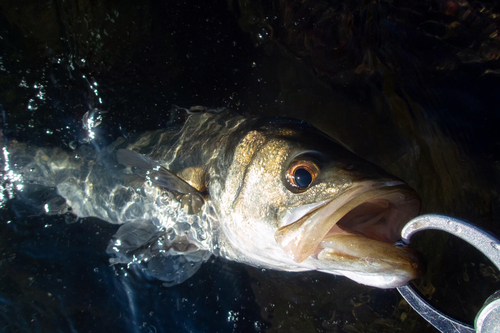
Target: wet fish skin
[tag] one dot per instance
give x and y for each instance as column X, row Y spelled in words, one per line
column 220, row 184
column 255, row 199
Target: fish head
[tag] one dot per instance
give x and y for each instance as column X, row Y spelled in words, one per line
column 295, row 199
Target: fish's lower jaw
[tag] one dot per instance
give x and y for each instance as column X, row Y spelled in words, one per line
column 375, row 280
column 367, row 271
column 371, row 273
column 372, row 262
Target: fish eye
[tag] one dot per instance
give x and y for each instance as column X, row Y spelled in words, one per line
column 301, row 174
column 302, row 177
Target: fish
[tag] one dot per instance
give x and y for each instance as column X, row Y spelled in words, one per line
column 269, row 192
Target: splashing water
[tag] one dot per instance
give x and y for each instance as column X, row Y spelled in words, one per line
column 11, row 181
column 92, row 119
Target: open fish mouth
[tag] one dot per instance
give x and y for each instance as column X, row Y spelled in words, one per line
column 355, row 231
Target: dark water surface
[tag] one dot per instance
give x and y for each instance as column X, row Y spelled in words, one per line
column 411, row 86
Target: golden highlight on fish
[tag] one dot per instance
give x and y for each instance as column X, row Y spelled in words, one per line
column 268, row 192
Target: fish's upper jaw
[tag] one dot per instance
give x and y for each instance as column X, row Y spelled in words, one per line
column 354, row 232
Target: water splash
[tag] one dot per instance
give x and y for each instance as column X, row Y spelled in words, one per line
column 91, row 120
column 11, row 181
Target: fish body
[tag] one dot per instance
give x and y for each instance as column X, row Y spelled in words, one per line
column 269, row 192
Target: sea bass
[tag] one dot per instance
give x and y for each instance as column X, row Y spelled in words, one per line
column 273, row 192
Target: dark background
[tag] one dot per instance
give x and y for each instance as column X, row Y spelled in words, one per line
column 411, row 86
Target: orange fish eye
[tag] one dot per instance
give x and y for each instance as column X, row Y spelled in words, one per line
column 301, row 174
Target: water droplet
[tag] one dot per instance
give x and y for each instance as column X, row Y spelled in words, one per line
column 23, row 83
column 32, row 105
column 41, row 94
column 264, row 34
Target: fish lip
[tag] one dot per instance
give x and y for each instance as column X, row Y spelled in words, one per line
column 300, row 239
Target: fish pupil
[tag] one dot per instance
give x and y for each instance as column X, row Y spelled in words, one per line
column 303, row 178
